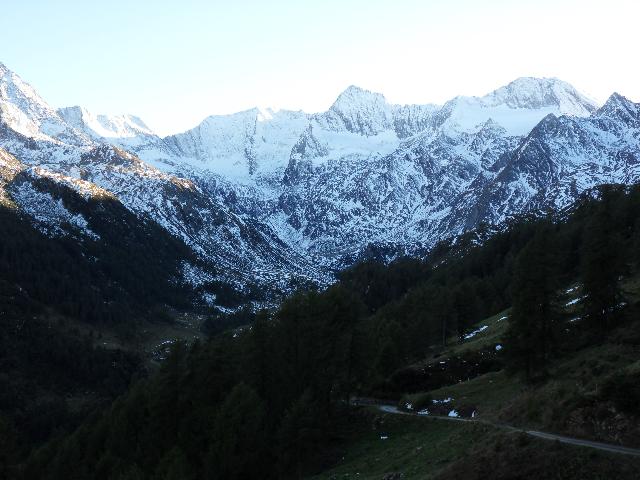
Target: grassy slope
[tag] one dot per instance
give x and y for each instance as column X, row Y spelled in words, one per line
column 496, row 326
column 420, row 447
column 486, row 394
column 497, row 396
column 518, row 456
column 424, row 448
column 416, row 447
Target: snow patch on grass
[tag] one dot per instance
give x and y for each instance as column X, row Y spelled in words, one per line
column 574, row 301
column 475, row 332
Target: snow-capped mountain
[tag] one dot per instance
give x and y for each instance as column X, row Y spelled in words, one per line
column 535, row 93
column 275, row 196
column 517, row 107
column 563, row 157
column 358, row 111
column 258, row 143
column 254, row 142
column 237, row 255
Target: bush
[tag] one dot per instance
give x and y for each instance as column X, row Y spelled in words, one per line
column 624, row 391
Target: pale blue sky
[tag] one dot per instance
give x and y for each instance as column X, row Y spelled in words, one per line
column 173, row 63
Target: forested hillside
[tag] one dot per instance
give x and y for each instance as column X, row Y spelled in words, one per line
column 270, row 400
column 57, row 294
column 127, row 266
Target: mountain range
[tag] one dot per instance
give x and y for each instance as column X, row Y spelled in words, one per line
column 268, row 199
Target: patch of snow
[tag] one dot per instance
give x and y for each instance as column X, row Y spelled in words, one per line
column 196, row 276
column 574, row 301
column 209, row 298
column 475, row 332
column 453, row 414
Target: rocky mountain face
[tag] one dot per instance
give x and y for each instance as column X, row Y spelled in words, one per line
column 269, row 198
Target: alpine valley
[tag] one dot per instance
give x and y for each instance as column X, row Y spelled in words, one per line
column 269, row 200
column 376, row 291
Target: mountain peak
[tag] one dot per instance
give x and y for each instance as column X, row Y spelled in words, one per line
column 618, row 106
column 356, row 96
column 534, row 92
column 491, row 126
column 26, row 112
column 359, row 111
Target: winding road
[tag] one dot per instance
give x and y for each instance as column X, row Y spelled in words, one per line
column 607, row 447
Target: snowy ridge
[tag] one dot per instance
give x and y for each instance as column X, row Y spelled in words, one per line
column 104, row 126
column 517, row 107
column 534, row 93
column 25, row 112
column 236, row 145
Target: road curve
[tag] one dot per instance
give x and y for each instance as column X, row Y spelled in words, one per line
column 607, row 447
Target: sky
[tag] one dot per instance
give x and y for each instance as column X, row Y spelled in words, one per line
column 173, row 63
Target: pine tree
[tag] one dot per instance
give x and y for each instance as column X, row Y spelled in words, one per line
column 389, row 355
column 8, row 448
column 300, row 434
column 601, row 266
column 238, row 439
column 163, row 405
column 531, row 334
column 174, row 466
column 132, row 473
column 465, row 306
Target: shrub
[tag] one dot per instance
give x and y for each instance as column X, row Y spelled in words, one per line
column 624, row 391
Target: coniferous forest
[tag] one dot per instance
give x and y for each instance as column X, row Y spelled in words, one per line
column 270, row 399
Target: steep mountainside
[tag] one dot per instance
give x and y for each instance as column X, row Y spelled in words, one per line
column 65, row 238
column 239, row 256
